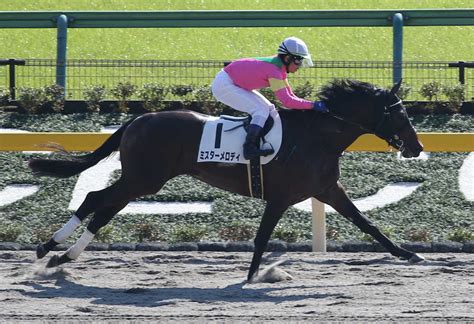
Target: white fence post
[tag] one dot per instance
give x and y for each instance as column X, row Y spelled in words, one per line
column 318, row 226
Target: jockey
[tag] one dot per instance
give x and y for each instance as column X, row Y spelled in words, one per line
column 236, row 86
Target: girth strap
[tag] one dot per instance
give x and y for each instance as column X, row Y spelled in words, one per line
column 255, row 178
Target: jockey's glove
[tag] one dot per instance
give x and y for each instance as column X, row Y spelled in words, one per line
column 320, row 106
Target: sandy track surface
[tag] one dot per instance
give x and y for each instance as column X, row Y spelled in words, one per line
column 209, row 286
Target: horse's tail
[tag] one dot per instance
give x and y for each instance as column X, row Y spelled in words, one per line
column 67, row 167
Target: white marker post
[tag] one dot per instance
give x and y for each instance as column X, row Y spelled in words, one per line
column 318, row 225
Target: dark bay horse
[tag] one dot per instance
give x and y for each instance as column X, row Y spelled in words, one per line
column 156, row 147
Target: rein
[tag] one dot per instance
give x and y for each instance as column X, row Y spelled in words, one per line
column 392, row 139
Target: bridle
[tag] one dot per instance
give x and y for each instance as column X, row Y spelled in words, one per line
column 384, row 128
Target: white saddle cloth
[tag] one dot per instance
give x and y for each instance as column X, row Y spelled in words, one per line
column 222, row 140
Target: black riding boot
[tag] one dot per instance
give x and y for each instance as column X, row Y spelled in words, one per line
column 252, row 144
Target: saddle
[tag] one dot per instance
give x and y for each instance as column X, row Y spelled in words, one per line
column 246, row 123
column 222, row 141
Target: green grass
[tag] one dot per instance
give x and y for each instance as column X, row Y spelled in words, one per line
column 436, row 208
column 20, row 5
column 420, row 43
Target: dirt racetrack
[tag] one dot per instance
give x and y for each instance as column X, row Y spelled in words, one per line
column 209, row 287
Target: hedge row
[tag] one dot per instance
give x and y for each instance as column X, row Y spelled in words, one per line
column 153, row 97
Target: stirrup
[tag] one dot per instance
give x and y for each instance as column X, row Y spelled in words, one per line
column 265, row 152
column 255, row 152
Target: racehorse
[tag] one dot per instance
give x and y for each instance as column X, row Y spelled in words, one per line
column 156, row 147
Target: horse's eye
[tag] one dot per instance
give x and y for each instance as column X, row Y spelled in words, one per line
column 399, row 116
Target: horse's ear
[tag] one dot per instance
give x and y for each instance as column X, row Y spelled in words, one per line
column 396, row 87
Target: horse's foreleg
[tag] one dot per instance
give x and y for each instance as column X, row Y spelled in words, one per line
column 100, row 219
column 338, row 199
column 271, row 216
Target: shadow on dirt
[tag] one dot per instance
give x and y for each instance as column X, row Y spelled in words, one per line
column 153, row 297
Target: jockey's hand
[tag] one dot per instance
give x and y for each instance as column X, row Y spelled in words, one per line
column 320, row 106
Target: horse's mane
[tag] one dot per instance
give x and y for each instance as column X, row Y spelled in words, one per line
column 340, row 91
column 337, row 93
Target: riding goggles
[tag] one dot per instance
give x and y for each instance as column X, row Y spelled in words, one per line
column 298, row 60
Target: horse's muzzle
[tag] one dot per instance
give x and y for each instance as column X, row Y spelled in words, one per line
column 413, row 150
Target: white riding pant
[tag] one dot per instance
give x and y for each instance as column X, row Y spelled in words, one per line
column 251, row 102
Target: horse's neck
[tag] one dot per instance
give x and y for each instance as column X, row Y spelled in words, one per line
column 333, row 135
column 341, row 141
column 338, row 135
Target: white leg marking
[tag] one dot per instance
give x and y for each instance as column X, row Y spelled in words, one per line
column 62, row 234
column 80, row 245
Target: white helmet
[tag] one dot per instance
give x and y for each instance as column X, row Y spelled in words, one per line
column 296, row 47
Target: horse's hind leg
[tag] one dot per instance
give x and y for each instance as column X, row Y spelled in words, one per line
column 108, row 202
column 110, row 196
column 58, row 237
column 101, row 218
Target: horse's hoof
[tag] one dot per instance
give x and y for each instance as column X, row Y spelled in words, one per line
column 63, row 259
column 415, row 258
column 41, row 251
column 251, row 277
column 56, row 261
column 53, row 262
